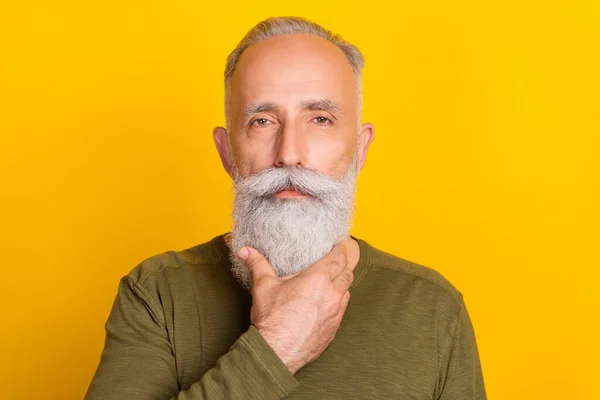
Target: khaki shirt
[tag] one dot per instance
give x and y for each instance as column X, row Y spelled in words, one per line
column 180, row 328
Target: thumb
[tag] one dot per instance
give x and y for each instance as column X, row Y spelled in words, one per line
column 258, row 265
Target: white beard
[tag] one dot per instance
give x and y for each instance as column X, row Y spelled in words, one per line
column 292, row 233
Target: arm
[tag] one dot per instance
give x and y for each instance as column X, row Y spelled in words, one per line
column 461, row 377
column 138, row 361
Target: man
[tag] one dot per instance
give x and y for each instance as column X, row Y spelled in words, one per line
column 288, row 305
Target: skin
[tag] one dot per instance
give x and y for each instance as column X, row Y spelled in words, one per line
column 294, row 102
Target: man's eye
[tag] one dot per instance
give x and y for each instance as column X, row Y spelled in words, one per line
column 322, row 120
column 260, row 122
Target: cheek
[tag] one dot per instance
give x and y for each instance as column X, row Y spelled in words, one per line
column 331, row 155
column 251, row 156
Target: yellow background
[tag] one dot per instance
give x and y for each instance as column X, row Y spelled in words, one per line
column 484, row 167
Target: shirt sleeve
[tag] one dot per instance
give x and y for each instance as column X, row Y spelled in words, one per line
column 461, row 377
column 138, row 361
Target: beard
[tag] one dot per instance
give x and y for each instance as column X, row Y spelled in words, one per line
column 291, row 233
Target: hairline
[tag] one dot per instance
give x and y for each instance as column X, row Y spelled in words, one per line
column 288, row 26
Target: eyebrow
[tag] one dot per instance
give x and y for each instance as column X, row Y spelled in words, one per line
column 322, row 105
column 256, row 108
column 313, row 105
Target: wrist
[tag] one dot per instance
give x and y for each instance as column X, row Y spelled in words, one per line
column 284, row 353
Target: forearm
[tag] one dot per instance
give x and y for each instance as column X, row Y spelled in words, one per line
column 250, row 370
column 138, row 360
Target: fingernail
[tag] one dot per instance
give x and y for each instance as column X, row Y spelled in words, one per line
column 243, row 253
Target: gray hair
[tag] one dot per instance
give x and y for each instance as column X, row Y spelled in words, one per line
column 292, row 234
column 278, row 26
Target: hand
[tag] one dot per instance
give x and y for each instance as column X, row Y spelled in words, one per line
column 299, row 315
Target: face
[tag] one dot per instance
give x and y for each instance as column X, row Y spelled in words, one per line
column 293, row 102
column 294, row 149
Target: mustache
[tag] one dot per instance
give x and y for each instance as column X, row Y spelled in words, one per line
column 275, row 179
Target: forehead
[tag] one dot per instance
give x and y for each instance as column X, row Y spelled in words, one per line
column 291, row 69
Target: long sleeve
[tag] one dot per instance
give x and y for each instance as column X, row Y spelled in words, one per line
column 461, row 377
column 138, row 361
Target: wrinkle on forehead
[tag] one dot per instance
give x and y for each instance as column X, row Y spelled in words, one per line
column 288, row 69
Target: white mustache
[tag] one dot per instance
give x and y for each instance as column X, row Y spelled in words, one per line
column 291, row 234
column 275, row 179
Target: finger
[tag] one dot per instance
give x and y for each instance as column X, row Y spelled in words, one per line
column 345, row 301
column 343, row 281
column 258, row 265
column 332, row 263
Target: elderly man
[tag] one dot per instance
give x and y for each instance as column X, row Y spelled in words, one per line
column 288, row 304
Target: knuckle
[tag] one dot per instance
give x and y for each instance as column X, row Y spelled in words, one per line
column 340, row 258
column 348, row 277
column 332, row 305
column 255, row 261
column 344, row 280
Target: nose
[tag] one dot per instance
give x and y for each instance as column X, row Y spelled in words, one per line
column 290, row 150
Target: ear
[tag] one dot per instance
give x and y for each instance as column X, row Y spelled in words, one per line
column 367, row 134
column 222, row 142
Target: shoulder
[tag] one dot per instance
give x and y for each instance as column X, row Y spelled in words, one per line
column 416, row 298
column 172, row 264
column 426, row 278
